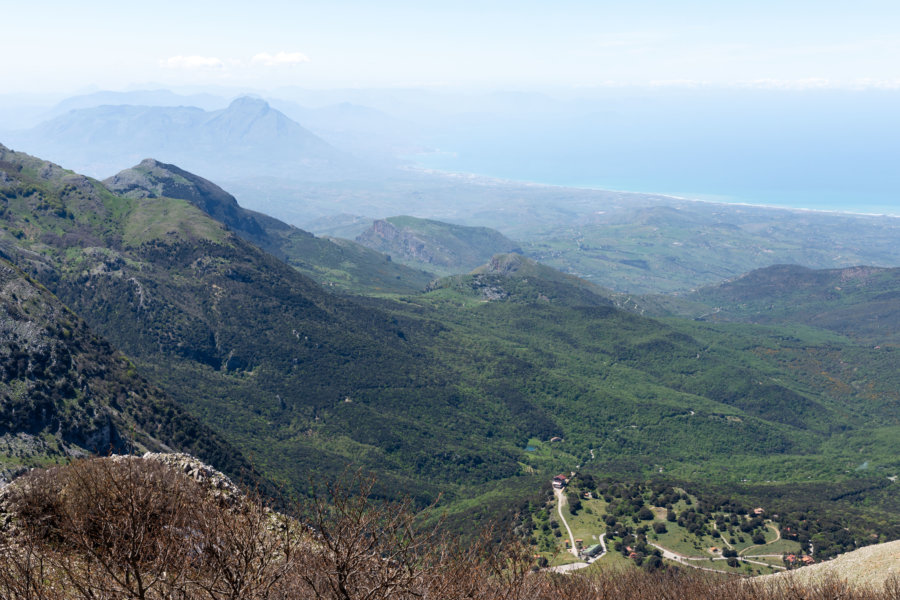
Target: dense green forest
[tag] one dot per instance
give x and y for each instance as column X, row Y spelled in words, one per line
column 442, row 393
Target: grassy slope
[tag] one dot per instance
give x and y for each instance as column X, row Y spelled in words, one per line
column 342, row 264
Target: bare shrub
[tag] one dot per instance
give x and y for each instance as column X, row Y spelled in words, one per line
column 127, row 528
column 242, row 553
column 361, row 550
column 113, row 527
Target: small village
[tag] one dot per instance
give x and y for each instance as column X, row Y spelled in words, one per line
column 588, row 522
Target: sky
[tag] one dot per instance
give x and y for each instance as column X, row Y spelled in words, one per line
column 72, row 47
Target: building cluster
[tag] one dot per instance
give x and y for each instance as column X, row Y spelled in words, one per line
column 794, row 560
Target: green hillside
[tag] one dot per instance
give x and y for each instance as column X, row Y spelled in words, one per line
column 435, row 392
column 443, row 248
column 628, row 242
column 341, row 264
column 516, row 278
column 686, row 245
column 860, row 302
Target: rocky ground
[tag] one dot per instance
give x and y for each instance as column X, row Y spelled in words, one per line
column 872, row 566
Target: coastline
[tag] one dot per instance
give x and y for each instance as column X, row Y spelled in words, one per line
column 482, row 179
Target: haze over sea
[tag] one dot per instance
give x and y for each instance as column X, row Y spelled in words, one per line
column 794, row 104
column 806, row 199
column 833, row 150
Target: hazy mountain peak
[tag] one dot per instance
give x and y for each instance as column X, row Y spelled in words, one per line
column 248, row 104
column 249, row 138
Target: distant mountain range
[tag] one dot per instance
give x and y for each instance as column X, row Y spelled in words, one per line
column 158, row 97
column 248, row 138
column 633, row 243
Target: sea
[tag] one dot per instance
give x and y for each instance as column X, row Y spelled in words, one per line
column 864, row 200
column 832, row 151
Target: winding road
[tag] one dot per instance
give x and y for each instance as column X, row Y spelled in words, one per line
column 560, row 502
column 777, row 537
column 684, row 560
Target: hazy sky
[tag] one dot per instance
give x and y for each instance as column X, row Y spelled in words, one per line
column 70, row 46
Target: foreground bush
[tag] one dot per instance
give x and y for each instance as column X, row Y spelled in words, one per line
column 132, row 528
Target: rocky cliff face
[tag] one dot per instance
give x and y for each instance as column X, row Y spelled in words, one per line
column 65, row 392
column 390, row 239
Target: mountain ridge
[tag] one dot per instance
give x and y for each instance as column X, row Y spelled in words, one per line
column 516, row 278
column 247, row 138
column 859, row 301
column 343, row 264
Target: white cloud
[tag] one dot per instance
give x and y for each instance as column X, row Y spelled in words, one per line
column 690, row 83
column 279, row 59
column 192, row 62
column 809, row 83
column 881, row 84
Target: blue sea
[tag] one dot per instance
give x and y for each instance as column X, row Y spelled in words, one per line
column 822, row 151
column 864, row 199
